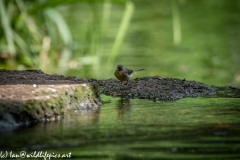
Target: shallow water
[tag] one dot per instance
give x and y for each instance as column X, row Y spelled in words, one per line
column 192, row 128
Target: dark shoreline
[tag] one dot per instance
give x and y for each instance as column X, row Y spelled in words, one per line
column 32, row 96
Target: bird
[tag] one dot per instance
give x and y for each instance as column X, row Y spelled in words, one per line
column 124, row 74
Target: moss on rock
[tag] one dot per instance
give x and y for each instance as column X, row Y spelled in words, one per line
column 33, row 96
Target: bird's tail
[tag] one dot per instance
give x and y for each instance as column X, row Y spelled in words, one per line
column 138, row 70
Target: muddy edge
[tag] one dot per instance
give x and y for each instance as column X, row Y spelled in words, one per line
column 33, row 96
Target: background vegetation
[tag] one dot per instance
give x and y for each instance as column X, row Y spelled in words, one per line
column 196, row 40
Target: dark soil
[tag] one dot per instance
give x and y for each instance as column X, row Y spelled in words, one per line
column 33, row 95
column 156, row 88
column 163, row 89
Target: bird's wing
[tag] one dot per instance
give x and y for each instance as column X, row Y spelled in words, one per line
column 128, row 71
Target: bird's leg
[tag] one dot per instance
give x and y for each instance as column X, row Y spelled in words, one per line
column 126, row 83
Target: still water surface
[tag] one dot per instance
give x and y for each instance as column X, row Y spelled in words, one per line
column 191, row 128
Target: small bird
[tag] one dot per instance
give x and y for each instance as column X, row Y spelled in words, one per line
column 124, row 74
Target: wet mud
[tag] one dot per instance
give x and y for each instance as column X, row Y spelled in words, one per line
column 163, row 89
column 31, row 95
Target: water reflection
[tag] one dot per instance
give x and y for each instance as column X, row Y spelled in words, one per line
column 82, row 117
column 123, row 107
column 140, row 129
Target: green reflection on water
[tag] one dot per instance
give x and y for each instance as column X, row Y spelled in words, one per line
column 140, row 129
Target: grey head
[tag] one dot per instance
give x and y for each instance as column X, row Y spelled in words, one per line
column 120, row 67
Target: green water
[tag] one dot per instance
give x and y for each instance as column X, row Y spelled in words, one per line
column 192, row 128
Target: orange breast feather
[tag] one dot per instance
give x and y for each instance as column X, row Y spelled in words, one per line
column 121, row 76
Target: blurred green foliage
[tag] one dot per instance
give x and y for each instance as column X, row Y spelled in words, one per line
column 35, row 34
column 31, row 40
column 196, row 40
